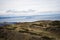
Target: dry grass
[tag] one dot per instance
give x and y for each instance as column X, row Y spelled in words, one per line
column 39, row 30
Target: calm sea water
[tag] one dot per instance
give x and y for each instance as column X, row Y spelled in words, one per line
column 31, row 18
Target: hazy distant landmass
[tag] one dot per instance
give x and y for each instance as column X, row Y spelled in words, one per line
column 29, row 18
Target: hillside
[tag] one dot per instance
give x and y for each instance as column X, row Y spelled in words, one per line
column 38, row 30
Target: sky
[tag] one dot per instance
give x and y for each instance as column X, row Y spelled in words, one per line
column 28, row 7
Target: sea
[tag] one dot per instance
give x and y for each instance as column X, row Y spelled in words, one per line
column 30, row 18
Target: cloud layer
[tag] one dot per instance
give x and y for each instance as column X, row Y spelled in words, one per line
column 26, row 13
column 22, row 7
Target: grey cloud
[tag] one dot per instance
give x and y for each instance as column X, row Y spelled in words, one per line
column 12, row 11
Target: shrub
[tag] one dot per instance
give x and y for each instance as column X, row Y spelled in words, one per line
column 46, row 38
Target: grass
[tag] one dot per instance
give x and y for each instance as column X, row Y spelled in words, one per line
column 39, row 30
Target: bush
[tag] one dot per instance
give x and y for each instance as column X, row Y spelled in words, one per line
column 46, row 38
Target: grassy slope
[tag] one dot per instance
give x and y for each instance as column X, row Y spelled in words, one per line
column 39, row 30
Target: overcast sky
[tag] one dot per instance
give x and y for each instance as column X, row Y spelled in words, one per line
column 28, row 7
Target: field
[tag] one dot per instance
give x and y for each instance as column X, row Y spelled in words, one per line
column 38, row 30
